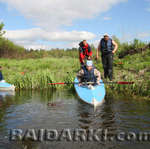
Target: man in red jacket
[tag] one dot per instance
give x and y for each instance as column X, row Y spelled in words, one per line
column 85, row 51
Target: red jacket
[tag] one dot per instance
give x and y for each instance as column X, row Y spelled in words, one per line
column 84, row 51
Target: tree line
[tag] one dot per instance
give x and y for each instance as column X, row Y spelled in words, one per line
column 8, row 49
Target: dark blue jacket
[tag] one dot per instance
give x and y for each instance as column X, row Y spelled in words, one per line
column 106, row 46
column 89, row 75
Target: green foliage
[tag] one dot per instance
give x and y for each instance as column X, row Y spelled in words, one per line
column 69, row 78
column 34, row 69
column 7, row 48
column 1, row 30
column 136, row 44
column 10, row 50
column 116, row 40
column 38, row 80
column 37, row 73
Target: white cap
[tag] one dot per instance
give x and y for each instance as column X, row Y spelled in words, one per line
column 89, row 63
column 106, row 34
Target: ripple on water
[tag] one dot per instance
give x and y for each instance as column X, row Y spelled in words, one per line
column 33, row 111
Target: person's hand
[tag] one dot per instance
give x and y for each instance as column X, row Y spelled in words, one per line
column 83, row 62
column 80, row 84
column 98, row 83
column 113, row 52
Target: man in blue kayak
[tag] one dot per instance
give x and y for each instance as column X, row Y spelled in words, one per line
column 108, row 48
column 89, row 74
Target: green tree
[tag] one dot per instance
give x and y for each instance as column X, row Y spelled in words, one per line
column 116, row 40
column 1, row 29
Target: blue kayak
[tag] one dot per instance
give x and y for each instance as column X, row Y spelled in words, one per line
column 6, row 86
column 93, row 95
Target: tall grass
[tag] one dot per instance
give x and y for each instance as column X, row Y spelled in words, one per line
column 38, row 80
column 35, row 74
column 34, row 69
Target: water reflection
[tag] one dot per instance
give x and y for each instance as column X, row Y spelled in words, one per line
column 101, row 118
column 58, row 110
column 4, row 102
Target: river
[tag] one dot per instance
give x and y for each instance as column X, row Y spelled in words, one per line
column 122, row 117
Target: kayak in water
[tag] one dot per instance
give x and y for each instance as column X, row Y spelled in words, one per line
column 6, row 86
column 93, row 95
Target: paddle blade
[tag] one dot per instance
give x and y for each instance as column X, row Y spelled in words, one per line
column 125, row 82
column 55, row 83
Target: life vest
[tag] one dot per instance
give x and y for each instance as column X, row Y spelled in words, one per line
column 106, row 46
column 85, row 49
column 89, row 75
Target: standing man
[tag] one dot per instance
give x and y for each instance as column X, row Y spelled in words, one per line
column 108, row 47
column 85, row 52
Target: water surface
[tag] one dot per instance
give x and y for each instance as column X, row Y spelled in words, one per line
column 64, row 110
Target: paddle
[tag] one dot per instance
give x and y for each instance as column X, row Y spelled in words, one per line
column 120, row 82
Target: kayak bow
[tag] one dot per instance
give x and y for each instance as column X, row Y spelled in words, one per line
column 93, row 95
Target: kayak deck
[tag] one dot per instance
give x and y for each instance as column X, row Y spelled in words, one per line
column 94, row 95
column 6, row 87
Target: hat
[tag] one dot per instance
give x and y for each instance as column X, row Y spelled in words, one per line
column 106, row 35
column 89, row 63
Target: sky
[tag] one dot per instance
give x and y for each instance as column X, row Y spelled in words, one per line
column 50, row 24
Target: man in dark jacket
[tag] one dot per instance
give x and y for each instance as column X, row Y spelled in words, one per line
column 85, row 52
column 108, row 47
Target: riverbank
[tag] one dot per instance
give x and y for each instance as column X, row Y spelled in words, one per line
column 35, row 74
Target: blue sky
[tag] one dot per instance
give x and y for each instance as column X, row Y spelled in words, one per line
column 63, row 23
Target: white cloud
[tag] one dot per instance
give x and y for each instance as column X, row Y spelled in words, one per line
column 76, row 44
column 40, row 34
column 143, row 35
column 30, row 36
column 148, row 9
column 56, row 13
column 107, row 18
column 50, row 16
column 35, row 46
column 1, row 21
column 96, row 43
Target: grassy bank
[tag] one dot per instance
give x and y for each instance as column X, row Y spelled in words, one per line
column 34, row 69
column 37, row 73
